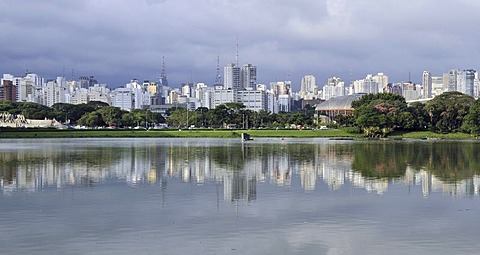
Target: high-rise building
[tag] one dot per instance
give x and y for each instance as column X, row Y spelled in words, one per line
column 249, row 76
column 281, row 88
column 335, row 87
column 437, row 85
column 232, row 77
column 450, row 80
column 254, row 100
column 123, row 99
column 87, row 82
column 367, row 85
column 465, row 82
column 382, row 81
column 239, row 78
column 308, row 87
column 8, row 91
column 55, row 92
column 427, row 84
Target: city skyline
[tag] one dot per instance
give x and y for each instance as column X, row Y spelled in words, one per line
column 119, row 41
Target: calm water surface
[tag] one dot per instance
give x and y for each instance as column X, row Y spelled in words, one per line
column 222, row 196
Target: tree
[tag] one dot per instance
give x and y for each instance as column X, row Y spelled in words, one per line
column 97, row 104
column 200, row 117
column 35, row 111
column 178, row 118
column 92, row 119
column 447, row 111
column 380, row 114
column 471, row 122
column 7, row 106
column 218, row 117
column 417, row 119
column 111, row 115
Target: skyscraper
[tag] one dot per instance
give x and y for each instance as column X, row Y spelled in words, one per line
column 427, row 84
column 249, row 77
column 308, row 87
column 232, row 77
column 465, row 82
column 8, row 91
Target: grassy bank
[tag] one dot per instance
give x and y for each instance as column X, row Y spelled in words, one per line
column 431, row 135
column 53, row 133
column 204, row 133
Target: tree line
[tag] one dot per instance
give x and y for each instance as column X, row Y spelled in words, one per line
column 235, row 115
column 92, row 114
column 375, row 115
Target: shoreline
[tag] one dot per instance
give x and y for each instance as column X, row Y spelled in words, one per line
column 334, row 134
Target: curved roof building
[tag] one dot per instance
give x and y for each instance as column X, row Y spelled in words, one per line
column 338, row 106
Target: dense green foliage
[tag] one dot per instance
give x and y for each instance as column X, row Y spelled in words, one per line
column 234, row 115
column 377, row 115
column 448, row 110
column 92, row 114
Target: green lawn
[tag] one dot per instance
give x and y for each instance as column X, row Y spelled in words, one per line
column 201, row 133
column 197, row 133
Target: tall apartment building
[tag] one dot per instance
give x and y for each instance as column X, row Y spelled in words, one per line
column 8, row 91
column 437, row 85
column 335, row 87
column 427, row 84
column 450, row 80
column 281, row 88
column 308, row 87
column 249, row 76
column 232, row 77
column 87, row 81
column 54, row 92
column 382, row 81
column 367, row 85
column 123, row 99
column 239, row 78
column 254, row 100
column 465, row 81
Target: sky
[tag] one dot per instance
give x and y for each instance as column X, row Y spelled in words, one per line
column 119, row 40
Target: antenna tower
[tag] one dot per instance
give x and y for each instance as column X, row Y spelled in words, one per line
column 163, row 74
column 236, row 56
column 217, row 76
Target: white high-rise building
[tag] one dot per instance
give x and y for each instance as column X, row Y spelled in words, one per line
column 123, row 98
column 222, row 96
column 254, row 100
column 308, row 87
column 382, row 81
column 55, row 92
column 335, row 87
column 465, row 82
column 232, row 77
column 249, row 76
column 367, row 85
column 437, row 85
column 427, row 84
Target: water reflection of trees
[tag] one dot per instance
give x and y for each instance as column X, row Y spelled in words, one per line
column 451, row 162
column 380, row 160
column 448, row 161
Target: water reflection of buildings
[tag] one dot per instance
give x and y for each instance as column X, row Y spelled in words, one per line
column 38, row 170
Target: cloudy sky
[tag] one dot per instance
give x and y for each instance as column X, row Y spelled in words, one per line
column 117, row 40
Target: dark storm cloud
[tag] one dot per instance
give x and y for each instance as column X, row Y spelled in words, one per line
column 123, row 39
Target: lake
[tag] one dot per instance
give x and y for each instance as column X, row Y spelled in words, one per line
column 225, row 196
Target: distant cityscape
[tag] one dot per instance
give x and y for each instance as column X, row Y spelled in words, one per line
column 239, row 84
